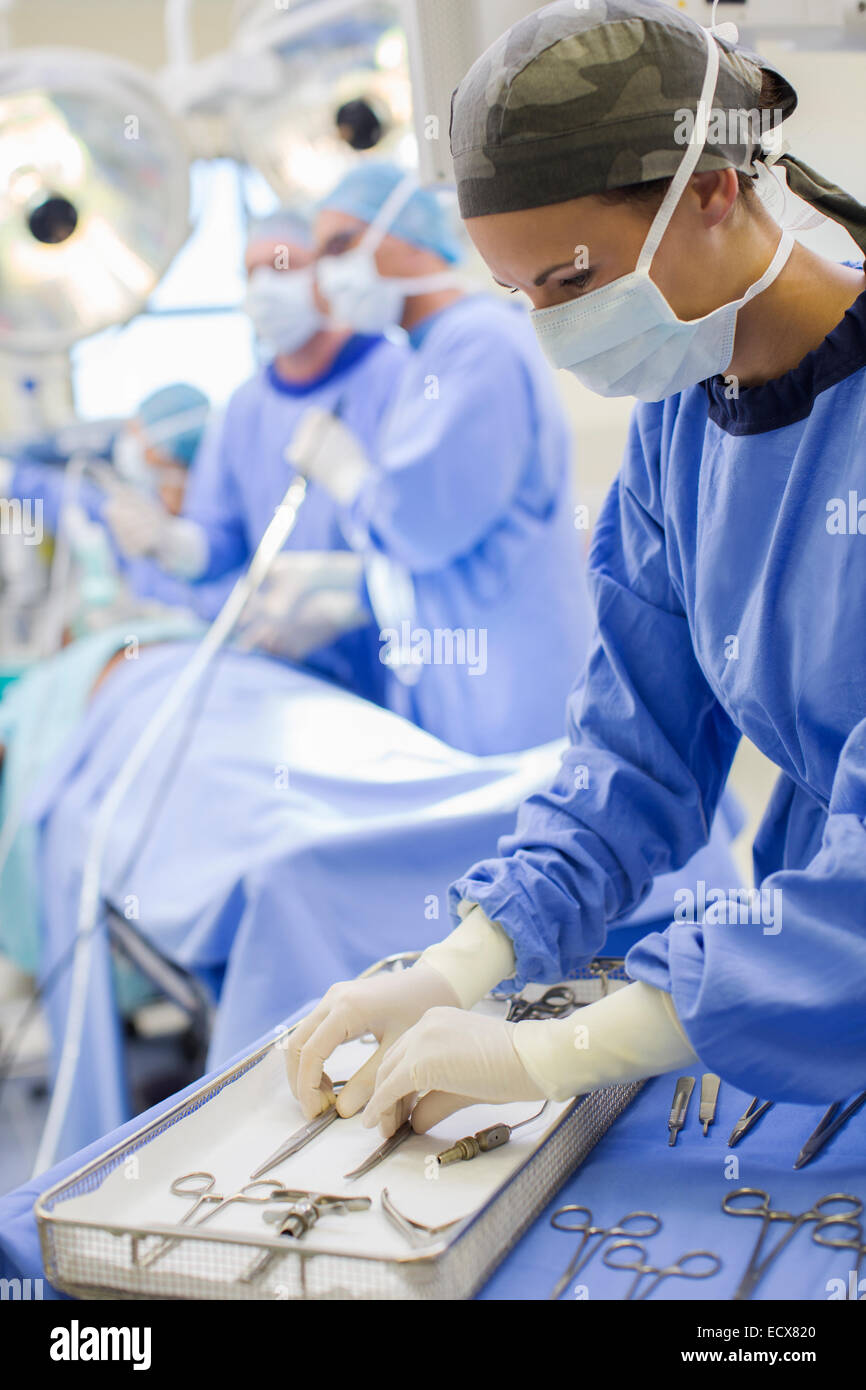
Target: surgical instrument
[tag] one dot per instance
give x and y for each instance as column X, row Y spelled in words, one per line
column 300, row 1138
column 300, row 1217
column 200, row 1187
column 307, row 1207
column 415, row 1232
column 830, row 1124
column 486, row 1139
column 682, row 1096
column 384, row 1151
column 556, row 1002
column 855, row 1242
column 748, row 1120
column 674, row 1271
column 710, row 1084
column 819, row 1211
column 579, row 1261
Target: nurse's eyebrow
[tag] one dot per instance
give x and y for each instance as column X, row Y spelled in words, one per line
column 545, row 274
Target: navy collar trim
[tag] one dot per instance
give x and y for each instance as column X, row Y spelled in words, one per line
column 349, row 355
column 790, row 398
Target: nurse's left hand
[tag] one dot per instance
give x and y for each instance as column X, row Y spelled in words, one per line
column 451, row 1058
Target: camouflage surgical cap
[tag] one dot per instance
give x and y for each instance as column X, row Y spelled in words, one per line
column 583, row 96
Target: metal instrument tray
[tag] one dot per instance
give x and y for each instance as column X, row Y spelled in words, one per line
column 98, row 1257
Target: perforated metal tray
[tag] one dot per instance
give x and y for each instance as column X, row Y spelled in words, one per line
column 99, row 1259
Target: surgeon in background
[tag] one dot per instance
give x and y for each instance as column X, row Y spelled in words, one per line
column 313, row 606
column 112, row 486
column 464, row 505
column 151, row 451
column 155, row 451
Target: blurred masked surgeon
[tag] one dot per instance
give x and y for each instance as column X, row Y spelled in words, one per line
column 315, row 591
column 464, row 509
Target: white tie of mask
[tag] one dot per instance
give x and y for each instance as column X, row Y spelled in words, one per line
column 624, row 339
column 357, row 295
column 283, row 309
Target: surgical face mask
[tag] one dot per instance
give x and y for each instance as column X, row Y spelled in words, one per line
column 625, row 339
column 283, row 309
column 357, row 295
column 130, row 460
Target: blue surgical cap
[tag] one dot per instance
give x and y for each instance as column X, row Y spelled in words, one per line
column 423, row 221
column 185, row 404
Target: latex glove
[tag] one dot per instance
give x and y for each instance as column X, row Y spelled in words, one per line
column 325, row 451
column 476, row 956
column 308, row 600
column 385, row 1005
column 631, row 1034
column 456, row 1058
column 142, row 527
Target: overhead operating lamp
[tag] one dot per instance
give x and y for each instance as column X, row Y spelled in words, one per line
column 94, row 196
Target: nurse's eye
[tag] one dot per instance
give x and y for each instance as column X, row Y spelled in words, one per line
column 576, row 282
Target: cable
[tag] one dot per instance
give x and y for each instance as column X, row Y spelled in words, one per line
column 271, row 543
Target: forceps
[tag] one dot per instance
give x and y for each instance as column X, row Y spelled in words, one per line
column 384, row 1151
column 301, row 1137
column 855, row 1241
column 200, row 1187
column 758, row 1204
column 556, row 1002
column 674, row 1271
column 560, row 1222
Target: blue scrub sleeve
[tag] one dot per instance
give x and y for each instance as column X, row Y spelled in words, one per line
column 650, row 751
column 212, row 499
column 45, row 482
column 778, row 1006
column 452, row 457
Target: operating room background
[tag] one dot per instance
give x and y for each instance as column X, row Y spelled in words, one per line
column 825, row 81
column 828, row 83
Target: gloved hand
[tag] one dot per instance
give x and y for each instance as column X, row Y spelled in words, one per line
column 142, row 527
column 309, row 599
column 462, row 1058
column 323, row 450
column 385, row 1005
column 457, row 1058
column 137, row 522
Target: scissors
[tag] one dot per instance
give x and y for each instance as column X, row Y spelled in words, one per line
column 674, row 1271
column 758, row 1204
column 561, row 1220
column 825, row 1234
column 200, row 1187
column 556, row 1002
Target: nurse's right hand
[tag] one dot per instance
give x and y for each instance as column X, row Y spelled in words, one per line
column 385, row 1005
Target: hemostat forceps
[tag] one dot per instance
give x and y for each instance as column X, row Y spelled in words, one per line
column 561, row 1221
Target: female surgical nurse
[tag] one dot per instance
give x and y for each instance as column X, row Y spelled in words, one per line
column 729, row 578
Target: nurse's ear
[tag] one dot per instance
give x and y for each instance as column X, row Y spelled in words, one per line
column 713, row 196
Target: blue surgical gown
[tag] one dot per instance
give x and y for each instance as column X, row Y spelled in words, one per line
column 473, row 498
column 240, row 475
column 729, row 577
